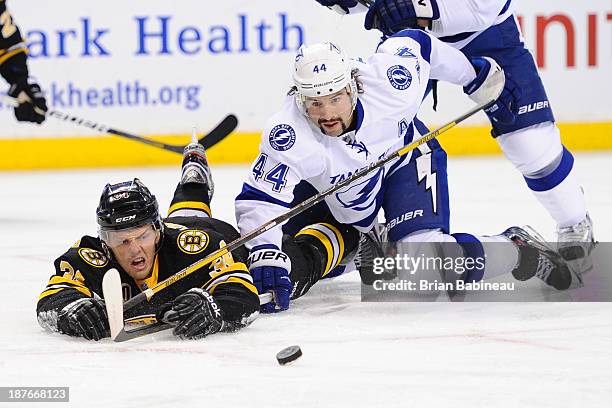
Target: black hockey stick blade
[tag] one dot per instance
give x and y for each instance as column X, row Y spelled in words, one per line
column 224, row 128
column 220, row 132
column 125, row 335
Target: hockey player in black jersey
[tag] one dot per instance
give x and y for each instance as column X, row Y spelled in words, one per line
column 13, row 67
column 145, row 250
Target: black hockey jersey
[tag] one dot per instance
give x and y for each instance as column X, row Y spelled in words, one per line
column 80, row 270
column 11, row 42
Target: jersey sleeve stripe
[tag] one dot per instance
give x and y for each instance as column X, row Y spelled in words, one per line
column 421, row 37
column 233, row 279
column 244, row 276
column 49, row 292
column 9, row 54
column 250, row 193
column 65, row 282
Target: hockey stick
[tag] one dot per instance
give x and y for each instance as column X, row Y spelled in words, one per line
column 224, row 128
column 148, row 294
column 113, row 299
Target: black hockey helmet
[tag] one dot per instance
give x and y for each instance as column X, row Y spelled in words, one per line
column 128, row 204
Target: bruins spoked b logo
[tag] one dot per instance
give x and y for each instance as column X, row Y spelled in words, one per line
column 192, row 241
column 93, row 257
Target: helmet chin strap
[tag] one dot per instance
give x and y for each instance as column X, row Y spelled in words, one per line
column 353, row 91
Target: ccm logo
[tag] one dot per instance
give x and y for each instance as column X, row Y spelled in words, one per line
column 533, row 107
column 124, row 219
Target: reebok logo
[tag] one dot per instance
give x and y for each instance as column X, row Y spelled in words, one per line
column 213, row 304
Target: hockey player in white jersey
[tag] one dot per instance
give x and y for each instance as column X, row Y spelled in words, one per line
column 343, row 115
column 529, row 139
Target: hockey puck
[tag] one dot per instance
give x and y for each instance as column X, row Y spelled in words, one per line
column 288, row 354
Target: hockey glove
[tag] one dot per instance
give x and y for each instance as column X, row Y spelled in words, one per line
column 194, row 313
column 32, row 105
column 84, row 317
column 492, row 83
column 391, row 16
column 344, row 4
column 270, row 268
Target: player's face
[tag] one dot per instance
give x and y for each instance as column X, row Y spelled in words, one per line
column 134, row 249
column 332, row 113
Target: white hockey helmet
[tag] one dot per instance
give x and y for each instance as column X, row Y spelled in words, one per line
column 322, row 69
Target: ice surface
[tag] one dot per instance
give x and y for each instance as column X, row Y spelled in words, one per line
column 355, row 354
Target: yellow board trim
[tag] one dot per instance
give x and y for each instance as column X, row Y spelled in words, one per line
column 198, row 205
column 94, row 152
column 326, row 242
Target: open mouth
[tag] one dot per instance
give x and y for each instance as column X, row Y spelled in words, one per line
column 139, row 263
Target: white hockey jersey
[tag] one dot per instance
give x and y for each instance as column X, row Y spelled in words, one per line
column 463, row 20
column 293, row 149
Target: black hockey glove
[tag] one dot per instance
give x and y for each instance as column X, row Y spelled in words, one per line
column 344, row 4
column 32, row 104
column 84, row 317
column 391, row 16
column 194, row 313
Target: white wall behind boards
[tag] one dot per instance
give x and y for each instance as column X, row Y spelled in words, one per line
column 159, row 67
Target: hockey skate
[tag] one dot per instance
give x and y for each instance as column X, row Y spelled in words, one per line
column 575, row 244
column 195, row 167
column 536, row 258
column 372, row 245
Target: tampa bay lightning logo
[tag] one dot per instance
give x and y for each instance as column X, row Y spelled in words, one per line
column 399, row 77
column 362, row 195
column 282, row 137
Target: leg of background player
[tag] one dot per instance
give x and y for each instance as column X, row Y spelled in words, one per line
column 194, row 192
column 532, row 143
column 548, row 169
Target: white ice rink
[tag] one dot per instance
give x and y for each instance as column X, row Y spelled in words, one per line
column 355, row 354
